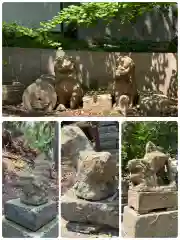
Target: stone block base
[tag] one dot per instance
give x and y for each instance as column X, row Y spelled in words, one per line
column 144, row 202
column 100, row 102
column 66, row 231
column 28, row 216
column 13, row 230
column 96, row 212
column 151, row 225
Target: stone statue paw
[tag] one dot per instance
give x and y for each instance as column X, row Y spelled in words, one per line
column 61, row 108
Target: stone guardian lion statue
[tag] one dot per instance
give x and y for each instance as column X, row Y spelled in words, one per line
column 148, row 172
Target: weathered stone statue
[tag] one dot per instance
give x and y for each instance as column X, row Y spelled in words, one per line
column 92, row 203
column 35, row 184
column 96, row 176
column 34, row 213
column 152, row 208
column 149, row 172
column 68, row 88
column 124, row 83
column 40, row 95
column 124, row 107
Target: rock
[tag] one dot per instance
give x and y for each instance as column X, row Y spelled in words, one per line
column 96, row 176
column 85, row 228
column 73, row 141
column 83, row 211
column 103, row 232
column 154, row 105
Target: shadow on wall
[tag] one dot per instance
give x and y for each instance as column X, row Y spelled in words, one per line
column 154, row 71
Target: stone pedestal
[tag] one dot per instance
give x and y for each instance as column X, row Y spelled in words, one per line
column 144, row 202
column 98, row 103
column 150, row 214
column 162, row 224
column 21, row 220
column 104, row 212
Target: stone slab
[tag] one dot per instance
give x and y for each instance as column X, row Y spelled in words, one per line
column 85, row 228
column 108, row 123
column 101, row 103
column 31, row 217
column 152, row 225
column 13, row 230
column 97, row 212
column 108, row 145
column 105, row 233
column 112, row 135
column 144, row 202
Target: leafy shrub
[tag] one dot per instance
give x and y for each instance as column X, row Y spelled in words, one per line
column 135, row 135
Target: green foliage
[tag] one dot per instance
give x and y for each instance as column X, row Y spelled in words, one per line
column 90, row 13
column 135, row 135
column 86, row 14
column 38, row 134
column 36, row 37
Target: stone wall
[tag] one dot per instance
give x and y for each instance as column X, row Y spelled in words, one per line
column 109, row 137
column 153, row 70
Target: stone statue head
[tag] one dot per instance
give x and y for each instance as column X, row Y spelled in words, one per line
column 137, row 169
column 125, row 65
column 64, row 64
column 153, row 170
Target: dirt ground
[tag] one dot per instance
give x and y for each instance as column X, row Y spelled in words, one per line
column 19, row 111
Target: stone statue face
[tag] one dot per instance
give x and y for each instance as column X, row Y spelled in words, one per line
column 124, row 66
column 137, row 169
column 40, row 100
column 64, row 64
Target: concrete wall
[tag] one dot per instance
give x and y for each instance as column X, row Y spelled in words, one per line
column 153, row 70
column 30, row 14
